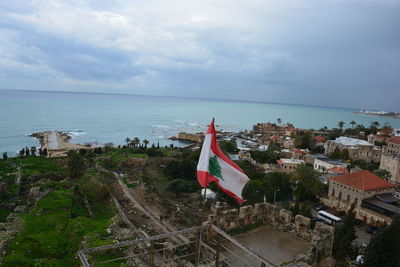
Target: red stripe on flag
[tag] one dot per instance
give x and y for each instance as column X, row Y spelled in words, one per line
column 205, row 178
column 217, row 150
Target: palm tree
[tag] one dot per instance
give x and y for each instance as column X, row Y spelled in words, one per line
column 145, row 142
column 375, row 124
column 136, row 141
column 279, row 120
column 353, row 123
column 341, row 124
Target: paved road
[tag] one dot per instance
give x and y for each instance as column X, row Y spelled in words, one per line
column 52, row 140
column 362, row 236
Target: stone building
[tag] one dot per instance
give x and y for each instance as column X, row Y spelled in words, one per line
column 351, row 188
column 272, row 128
column 390, row 159
column 289, row 165
column 358, row 149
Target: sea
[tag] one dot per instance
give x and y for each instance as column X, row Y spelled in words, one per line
column 97, row 118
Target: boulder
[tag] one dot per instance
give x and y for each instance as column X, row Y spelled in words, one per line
column 301, row 220
column 285, row 216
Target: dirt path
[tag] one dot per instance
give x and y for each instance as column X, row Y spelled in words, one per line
column 155, row 219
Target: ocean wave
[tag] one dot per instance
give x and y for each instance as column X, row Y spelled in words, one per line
column 75, row 134
column 161, row 126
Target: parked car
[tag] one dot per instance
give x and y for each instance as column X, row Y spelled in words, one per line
column 371, row 229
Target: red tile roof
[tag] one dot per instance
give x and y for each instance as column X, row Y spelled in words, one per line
column 338, row 170
column 320, row 139
column 298, row 151
column 363, row 180
column 395, row 139
column 280, row 162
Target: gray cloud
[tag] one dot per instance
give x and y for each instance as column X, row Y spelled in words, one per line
column 336, row 52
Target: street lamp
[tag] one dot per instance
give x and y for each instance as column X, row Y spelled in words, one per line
column 277, row 190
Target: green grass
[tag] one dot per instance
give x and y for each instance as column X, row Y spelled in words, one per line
column 4, row 213
column 129, row 185
column 6, row 168
column 137, row 155
column 52, row 237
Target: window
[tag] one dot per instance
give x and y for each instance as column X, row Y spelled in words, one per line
column 356, row 200
column 333, row 192
column 348, row 197
column 340, row 195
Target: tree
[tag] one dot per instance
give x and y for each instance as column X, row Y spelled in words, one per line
column 268, row 156
column 353, row 123
column 145, row 142
column 308, row 184
column 228, row 146
column 345, row 234
column 303, row 140
column 33, row 151
column 76, row 164
column 179, row 186
column 254, row 191
column 136, row 141
column 5, row 156
column 383, row 248
column 22, row 153
column 336, row 154
column 340, row 125
column 27, row 152
column 44, row 152
column 384, row 174
column 128, row 141
column 375, row 124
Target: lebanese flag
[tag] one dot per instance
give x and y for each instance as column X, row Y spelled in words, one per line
column 214, row 166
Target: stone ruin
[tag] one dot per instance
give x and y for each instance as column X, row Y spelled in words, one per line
column 320, row 237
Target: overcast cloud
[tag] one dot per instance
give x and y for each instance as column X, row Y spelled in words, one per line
column 335, row 52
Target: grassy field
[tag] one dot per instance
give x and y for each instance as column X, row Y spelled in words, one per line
column 53, row 231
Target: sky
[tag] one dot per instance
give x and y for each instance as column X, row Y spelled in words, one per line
column 343, row 53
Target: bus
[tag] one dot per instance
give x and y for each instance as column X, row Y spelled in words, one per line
column 328, row 218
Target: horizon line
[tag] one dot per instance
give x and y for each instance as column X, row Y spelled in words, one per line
column 186, row 97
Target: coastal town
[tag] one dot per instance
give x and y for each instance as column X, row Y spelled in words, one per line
column 302, row 183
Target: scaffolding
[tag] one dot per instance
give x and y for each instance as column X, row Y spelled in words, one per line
column 205, row 245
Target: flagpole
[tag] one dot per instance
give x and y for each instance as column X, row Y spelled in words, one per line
column 205, row 194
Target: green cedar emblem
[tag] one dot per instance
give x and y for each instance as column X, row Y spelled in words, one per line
column 214, row 168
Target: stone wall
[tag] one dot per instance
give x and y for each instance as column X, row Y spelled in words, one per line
column 320, row 237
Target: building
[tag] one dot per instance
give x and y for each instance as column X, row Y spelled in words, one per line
column 354, row 187
column 386, row 204
column 324, row 164
column 377, row 139
column 272, row 128
column 390, row 159
column 289, row 165
column 318, row 141
column 358, row 149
